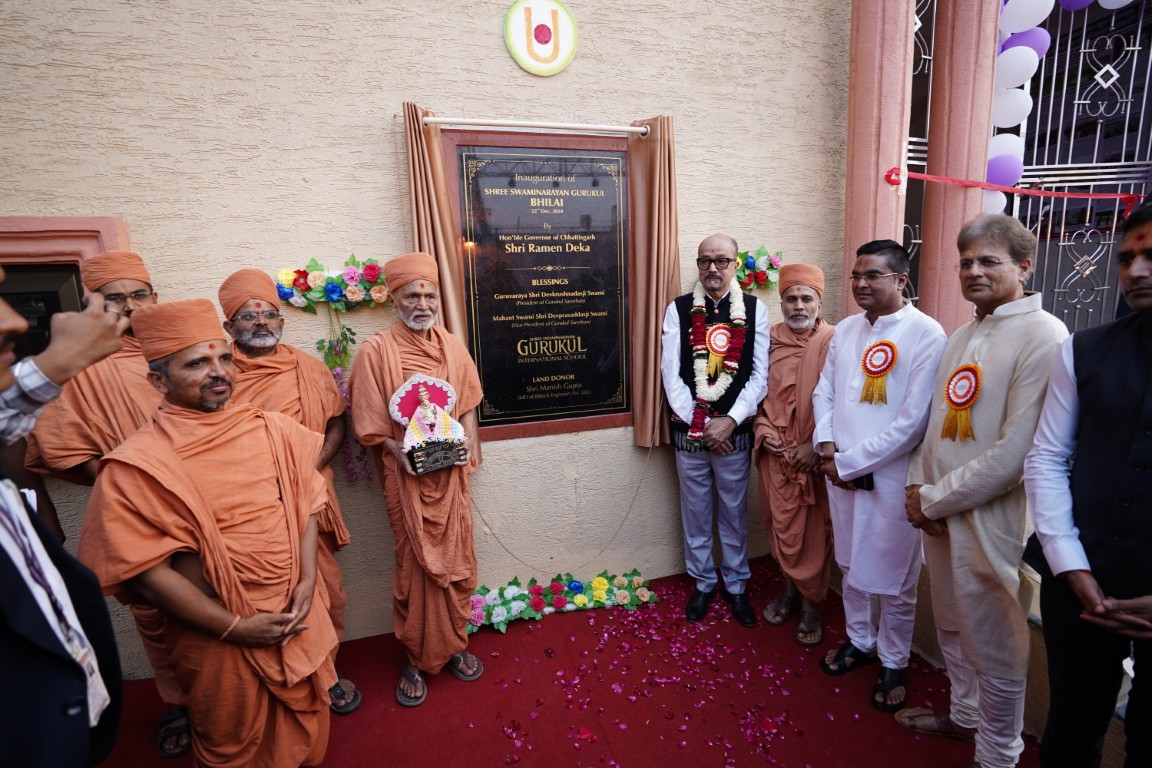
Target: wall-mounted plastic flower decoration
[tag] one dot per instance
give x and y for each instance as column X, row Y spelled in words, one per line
column 759, row 269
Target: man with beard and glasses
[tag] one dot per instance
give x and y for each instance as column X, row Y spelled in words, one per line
column 793, row 496
column 430, row 514
column 278, row 377
column 1093, row 520
column 871, row 411
column 209, row 515
column 97, row 411
column 57, row 644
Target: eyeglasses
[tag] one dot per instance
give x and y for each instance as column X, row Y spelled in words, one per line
column 138, row 297
column 870, row 277
column 985, row 262
column 721, row 263
column 267, row 315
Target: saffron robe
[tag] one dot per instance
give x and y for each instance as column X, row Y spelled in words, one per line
column 976, row 486
column 871, row 535
column 430, row 515
column 794, row 503
column 248, row 706
column 96, row 411
column 300, row 386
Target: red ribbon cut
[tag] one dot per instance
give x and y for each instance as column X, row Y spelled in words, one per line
column 1128, row 198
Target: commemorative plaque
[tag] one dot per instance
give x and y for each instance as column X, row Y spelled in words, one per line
column 546, row 265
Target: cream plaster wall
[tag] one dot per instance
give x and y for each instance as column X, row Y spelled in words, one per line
column 261, row 134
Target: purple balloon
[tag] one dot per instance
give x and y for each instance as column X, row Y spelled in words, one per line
column 1074, row 5
column 1036, row 38
column 1004, row 170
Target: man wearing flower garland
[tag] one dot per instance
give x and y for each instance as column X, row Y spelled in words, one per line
column 430, row 514
column 793, row 496
column 1094, row 521
column 209, row 514
column 871, row 410
column 714, row 363
column 278, row 377
column 966, row 489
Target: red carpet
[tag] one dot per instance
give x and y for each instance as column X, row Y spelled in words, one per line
column 619, row 688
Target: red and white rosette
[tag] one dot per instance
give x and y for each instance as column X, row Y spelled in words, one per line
column 879, row 358
column 718, row 340
column 960, row 392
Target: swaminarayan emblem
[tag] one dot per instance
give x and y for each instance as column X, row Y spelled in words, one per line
column 541, row 36
column 961, row 391
column 878, row 359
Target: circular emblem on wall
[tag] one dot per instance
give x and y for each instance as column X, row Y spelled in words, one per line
column 541, row 35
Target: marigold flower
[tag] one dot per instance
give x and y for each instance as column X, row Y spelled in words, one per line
column 599, row 595
column 580, row 600
column 599, row 583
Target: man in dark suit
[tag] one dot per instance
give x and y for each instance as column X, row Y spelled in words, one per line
column 1094, row 521
column 58, row 656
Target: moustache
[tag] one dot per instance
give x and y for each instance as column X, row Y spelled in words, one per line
column 216, row 383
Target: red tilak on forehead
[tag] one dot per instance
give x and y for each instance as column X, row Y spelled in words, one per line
column 1140, row 237
column 211, row 346
column 421, row 286
column 259, row 305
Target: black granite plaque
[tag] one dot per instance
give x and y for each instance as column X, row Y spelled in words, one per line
column 546, row 264
column 436, row 454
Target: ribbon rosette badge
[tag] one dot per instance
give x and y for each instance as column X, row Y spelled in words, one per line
column 961, row 391
column 878, row 359
column 718, row 339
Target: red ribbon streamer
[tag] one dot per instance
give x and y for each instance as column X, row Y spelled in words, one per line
column 1128, row 198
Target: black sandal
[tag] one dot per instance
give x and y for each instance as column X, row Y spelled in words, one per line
column 847, row 659
column 888, row 681
column 412, row 675
column 169, row 728
column 351, row 703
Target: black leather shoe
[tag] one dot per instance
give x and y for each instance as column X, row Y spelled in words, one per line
column 697, row 607
column 741, row 609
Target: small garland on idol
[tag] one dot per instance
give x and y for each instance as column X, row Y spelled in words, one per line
column 715, row 355
column 496, row 607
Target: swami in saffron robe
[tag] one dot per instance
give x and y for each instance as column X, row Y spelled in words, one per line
column 794, row 503
column 301, row 387
column 430, row 515
column 237, row 488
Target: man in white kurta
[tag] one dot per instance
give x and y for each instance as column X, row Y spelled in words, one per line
column 863, row 435
column 966, row 489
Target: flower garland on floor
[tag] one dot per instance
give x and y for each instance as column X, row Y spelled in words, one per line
column 359, row 284
column 497, row 607
column 759, row 269
column 710, row 346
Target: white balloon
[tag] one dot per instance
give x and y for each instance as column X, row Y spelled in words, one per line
column 1114, row 4
column 1015, row 66
column 994, row 201
column 1010, row 106
column 1006, row 144
column 1020, row 15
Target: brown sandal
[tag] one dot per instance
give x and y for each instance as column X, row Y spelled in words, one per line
column 934, row 722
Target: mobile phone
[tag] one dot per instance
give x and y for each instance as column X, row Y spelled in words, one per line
column 864, row 482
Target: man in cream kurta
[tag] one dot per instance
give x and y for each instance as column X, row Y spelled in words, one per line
column 966, row 489
column 861, row 434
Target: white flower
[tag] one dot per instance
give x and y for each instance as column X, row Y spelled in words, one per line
column 492, row 597
column 511, row 591
column 298, row 301
column 499, row 614
column 516, row 607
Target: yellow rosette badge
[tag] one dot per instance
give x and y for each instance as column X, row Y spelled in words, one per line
column 718, row 339
column 879, row 358
column 961, row 390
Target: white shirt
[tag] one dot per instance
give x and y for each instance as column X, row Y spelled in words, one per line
column 680, row 395
column 1048, row 466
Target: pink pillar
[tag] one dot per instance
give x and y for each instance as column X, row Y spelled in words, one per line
column 879, row 105
column 960, row 124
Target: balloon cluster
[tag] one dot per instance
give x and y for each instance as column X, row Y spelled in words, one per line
column 1023, row 43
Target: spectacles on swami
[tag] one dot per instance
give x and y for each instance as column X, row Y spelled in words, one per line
column 985, row 262
column 119, row 299
column 721, row 263
column 870, row 277
column 250, row 317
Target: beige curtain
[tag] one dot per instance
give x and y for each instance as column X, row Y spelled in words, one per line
column 432, row 228
column 656, row 270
